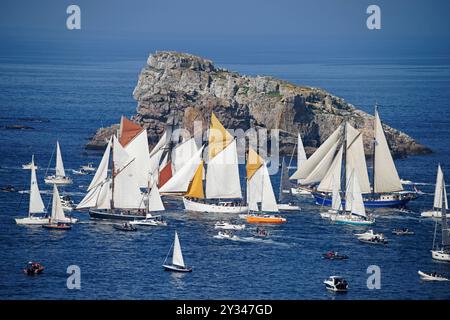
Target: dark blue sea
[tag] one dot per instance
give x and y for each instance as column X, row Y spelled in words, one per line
column 68, row 100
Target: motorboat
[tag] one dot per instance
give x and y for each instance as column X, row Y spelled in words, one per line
column 154, row 221
column 227, row 234
column 228, row 226
column 88, row 168
column 403, row 232
column 57, row 226
column 177, row 264
column 265, row 218
column 125, row 227
column 288, row 207
column 8, row 188
column 371, row 238
column 261, row 232
column 432, row 276
column 433, row 214
column 332, row 255
column 336, row 284
column 67, row 203
column 33, row 268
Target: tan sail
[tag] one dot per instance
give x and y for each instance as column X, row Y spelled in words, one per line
column 195, row 189
column 219, row 137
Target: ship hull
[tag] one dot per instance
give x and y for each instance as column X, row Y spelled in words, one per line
column 117, row 215
column 379, row 201
column 190, row 205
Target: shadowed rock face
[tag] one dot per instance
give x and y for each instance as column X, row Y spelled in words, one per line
column 189, row 88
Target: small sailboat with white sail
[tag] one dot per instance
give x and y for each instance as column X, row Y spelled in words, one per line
column 285, row 189
column 442, row 253
column 223, row 187
column 386, row 189
column 36, row 205
column 59, row 178
column 177, row 264
column 262, row 204
column 301, row 158
column 436, row 212
column 58, row 220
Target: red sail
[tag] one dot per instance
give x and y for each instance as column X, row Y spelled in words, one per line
column 128, row 130
column 165, row 174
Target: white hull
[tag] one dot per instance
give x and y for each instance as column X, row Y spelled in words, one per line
column 433, row 214
column 148, row 222
column 300, row 192
column 351, row 219
column 440, row 255
column 42, row 220
column 288, row 207
column 328, row 214
column 58, row 180
column 28, row 166
column 221, row 207
column 430, row 277
column 228, row 226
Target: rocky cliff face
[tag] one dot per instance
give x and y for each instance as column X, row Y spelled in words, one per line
column 189, row 88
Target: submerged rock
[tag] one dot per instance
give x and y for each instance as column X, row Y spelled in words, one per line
column 189, row 88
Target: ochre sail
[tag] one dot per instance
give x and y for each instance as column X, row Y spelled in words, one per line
column 128, row 130
column 254, row 162
column 165, row 174
column 219, row 137
column 195, row 189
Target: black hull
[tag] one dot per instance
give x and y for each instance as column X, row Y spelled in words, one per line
column 116, row 216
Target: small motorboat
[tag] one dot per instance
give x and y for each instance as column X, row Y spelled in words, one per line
column 300, row 191
column 29, row 165
column 227, row 234
column 8, row 188
column 228, row 226
column 33, row 268
column 125, row 227
column 288, row 207
column 432, row 276
column 336, row 284
column 80, row 172
column 403, row 232
column 261, row 232
column 332, row 255
column 265, row 218
column 328, row 214
column 88, row 168
column 154, row 221
column 57, row 226
column 371, row 238
column 58, row 180
column 67, row 203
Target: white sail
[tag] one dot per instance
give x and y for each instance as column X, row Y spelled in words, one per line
column 323, row 166
column 222, row 176
column 99, row 197
column 333, row 175
column 254, row 190
column 182, row 153
column 179, row 182
column 336, row 201
column 301, row 154
column 102, row 170
column 126, row 193
column 163, row 141
column 438, row 190
column 59, row 162
column 354, row 201
column 154, row 165
column 154, row 200
column 386, row 177
column 57, row 208
column 36, row 203
column 177, row 258
column 309, row 165
column 137, row 148
column 269, row 202
column 356, row 159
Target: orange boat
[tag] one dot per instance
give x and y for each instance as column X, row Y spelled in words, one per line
column 266, row 218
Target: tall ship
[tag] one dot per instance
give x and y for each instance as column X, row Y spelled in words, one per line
column 317, row 173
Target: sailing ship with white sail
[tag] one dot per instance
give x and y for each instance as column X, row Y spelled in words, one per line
column 285, row 189
column 386, row 189
column 57, row 215
column 119, row 196
column 301, row 158
column 59, row 177
column 36, row 205
column 436, row 212
column 442, row 253
column 178, row 264
column 222, row 193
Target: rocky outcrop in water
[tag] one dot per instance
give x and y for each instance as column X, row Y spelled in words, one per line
column 188, row 88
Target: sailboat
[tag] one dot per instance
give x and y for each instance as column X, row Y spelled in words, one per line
column 36, row 205
column 336, row 201
column 355, row 212
column 118, row 196
column 59, row 177
column 284, row 180
column 386, row 189
column 154, row 204
column 442, row 254
column 436, row 212
column 301, row 158
column 260, row 192
column 57, row 219
column 177, row 264
column 223, row 188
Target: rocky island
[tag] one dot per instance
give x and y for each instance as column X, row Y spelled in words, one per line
column 188, row 88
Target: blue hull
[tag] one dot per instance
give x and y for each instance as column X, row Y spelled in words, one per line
column 323, row 200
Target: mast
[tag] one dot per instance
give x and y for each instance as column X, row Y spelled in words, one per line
column 445, row 237
column 374, row 144
column 344, row 157
column 113, row 175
